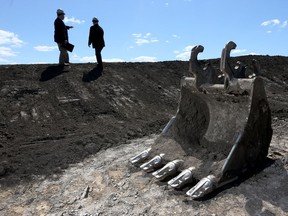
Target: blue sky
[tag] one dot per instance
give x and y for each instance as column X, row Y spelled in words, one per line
column 143, row 30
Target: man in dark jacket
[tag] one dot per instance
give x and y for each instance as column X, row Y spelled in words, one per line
column 61, row 37
column 96, row 38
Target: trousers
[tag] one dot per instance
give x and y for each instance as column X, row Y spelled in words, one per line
column 63, row 56
column 99, row 57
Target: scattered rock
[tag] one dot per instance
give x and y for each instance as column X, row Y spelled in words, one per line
column 85, row 193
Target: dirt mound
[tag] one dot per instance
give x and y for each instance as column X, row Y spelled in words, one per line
column 51, row 118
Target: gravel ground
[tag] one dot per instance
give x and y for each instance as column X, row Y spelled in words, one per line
column 107, row 184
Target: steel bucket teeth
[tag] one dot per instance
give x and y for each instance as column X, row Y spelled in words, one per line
column 139, row 158
column 168, row 170
column 203, row 187
column 153, row 164
column 185, row 177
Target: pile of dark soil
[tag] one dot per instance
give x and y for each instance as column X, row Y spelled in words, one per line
column 52, row 117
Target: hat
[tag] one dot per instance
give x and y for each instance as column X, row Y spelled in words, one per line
column 60, row 12
column 95, row 19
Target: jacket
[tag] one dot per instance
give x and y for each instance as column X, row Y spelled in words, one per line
column 60, row 31
column 96, row 37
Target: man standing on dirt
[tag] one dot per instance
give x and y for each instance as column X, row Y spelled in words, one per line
column 96, row 38
column 61, row 37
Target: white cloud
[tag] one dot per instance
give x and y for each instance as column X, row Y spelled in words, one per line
column 7, row 52
column 144, row 39
column 275, row 22
column 141, row 41
column 183, row 56
column 154, row 40
column 73, row 20
column 136, row 35
column 285, row 23
column 40, row 62
column 185, row 53
column 10, row 38
column 272, row 22
column 45, row 48
column 113, row 60
column 188, row 48
column 238, row 51
column 145, row 59
column 147, row 35
column 86, row 59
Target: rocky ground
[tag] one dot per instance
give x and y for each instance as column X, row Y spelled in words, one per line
column 66, row 137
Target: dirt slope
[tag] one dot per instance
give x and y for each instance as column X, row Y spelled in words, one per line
column 51, row 119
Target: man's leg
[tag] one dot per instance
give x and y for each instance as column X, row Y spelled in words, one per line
column 67, row 58
column 99, row 58
column 63, row 57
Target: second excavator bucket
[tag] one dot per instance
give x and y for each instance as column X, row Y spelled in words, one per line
column 222, row 128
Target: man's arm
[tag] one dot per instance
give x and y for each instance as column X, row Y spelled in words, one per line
column 90, row 37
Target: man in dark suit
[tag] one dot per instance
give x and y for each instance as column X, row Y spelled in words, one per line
column 96, row 38
column 61, row 37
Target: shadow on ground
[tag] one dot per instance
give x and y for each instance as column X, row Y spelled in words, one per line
column 52, row 72
column 92, row 75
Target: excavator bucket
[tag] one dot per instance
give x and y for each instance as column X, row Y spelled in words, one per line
column 222, row 128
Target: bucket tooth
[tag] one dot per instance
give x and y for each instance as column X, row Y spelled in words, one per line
column 168, row 170
column 203, row 187
column 153, row 164
column 185, row 177
column 139, row 158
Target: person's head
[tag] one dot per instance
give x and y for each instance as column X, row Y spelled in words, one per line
column 95, row 21
column 60, row 14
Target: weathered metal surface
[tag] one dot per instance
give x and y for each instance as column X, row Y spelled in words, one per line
column 222, row 126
